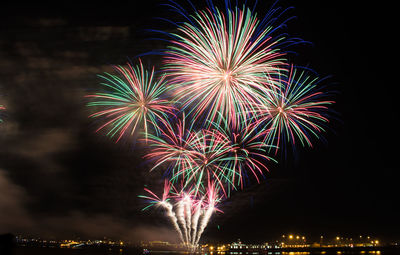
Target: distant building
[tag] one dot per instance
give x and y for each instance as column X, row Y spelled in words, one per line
column 239, row 247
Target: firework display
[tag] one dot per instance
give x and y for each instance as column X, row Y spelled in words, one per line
column 227, row 101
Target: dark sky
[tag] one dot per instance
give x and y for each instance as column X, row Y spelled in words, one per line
column 59, row 179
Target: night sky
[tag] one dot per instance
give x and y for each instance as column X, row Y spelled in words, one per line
column 58, row 178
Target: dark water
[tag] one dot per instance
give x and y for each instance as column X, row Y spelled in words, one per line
column 132, row 251
column 65, row 251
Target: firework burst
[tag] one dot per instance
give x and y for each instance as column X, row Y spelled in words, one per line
column 212, row 152
column 173, row 146
column 295, row 111
column 217, row 63
column 191, row 156
column 131, row 99
column 247, row 154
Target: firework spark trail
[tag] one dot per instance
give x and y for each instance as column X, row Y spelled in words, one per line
column 188, row 212
column 204, row 221
column 189, row 228
column 213, row 197
column 166, row 196
column 195, row 221
column 180, row 213
column 173, row 219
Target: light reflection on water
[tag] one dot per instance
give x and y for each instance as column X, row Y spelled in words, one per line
column 377, row 252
